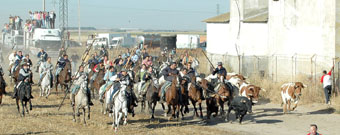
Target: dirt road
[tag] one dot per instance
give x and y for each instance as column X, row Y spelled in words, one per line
column 267, row 119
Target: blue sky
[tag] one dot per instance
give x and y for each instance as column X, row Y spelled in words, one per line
column 145, row 14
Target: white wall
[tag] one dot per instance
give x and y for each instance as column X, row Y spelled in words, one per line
column 254, row 39
column 219, row 39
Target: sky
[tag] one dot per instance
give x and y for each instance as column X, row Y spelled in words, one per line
column 108, row 14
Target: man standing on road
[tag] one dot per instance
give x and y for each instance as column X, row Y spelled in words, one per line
column 313, row 130
column 326, row 81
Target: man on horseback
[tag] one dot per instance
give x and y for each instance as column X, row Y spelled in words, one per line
column 24, row 75
column 18, row 59
column 11, row 59
column 95, row 71
column 27, row 60
column 3, row 81
column 103, row 52
column 121, row 81
column 140, row 74
column 42, row 56
column 163, row 58
column 46, row 68
column 107, row 78
column 62, row 52
column 191, row 71
column 168, row 74
column 61, row 64
column 79, row 78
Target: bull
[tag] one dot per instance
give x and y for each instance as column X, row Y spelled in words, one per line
column 241, row 105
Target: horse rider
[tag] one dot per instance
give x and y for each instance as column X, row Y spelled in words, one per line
column 111, row 72
column 27, row 60
column 168, row 73
column 46, row 68
column 24, row 74
column 3, row 80
column 120, row 65
column 18, row 59
column 116, row 62
column 163, row 58
column 11, row 59
column 79, row 78
column 220, row 70
column 186, row 59
column 93, row 60
column 61, row 64
column 121, row 81
column 42, row 56
column 170, row 58
column 134, row 57
column 191, row 71
column 103, row 52
column 139, row 75
column 62, row 52
column 95, row 70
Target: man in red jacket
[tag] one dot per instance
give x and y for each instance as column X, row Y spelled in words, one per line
column 313, row 130
column 326, row 81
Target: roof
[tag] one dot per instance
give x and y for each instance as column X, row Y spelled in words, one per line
column 263, row 18
column 223, row 18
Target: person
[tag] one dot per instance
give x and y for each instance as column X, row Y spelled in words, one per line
column 147, row 78
column 121, row 81
column 111, row 72
column 144, row 54
column 79, row 78
column 147, row 61
column 103, row 52
column 42, row 56
column 313, row 130
column 18, row 59
column 62, row 52
column 107, row 63
column 93, row 60
column 120, row 65
column 128, row 62
column 140, row 74
column 168, row 74
column 27, row 60
column 191, row 71
column 326, row 81
column 117, row 60
column 95, row 70
column 163, row 58
column 4, row 84
column 220, row 70
column 134, row 57
column 74, row 58
column 46, row 68
column 187, row 58
column 170, row 58
column 61, row 64
column 24, row 75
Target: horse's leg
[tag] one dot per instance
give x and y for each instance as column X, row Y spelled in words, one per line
column 88, row 112
column 141, row 106
column 200, row 106
column 221, row 103
column 26, row 107
column 179, row 109
column 23, row 107
column 74, row 113
column 84, row 115
column 41, row 91
column 153, row 109
column 30, row 104
column 56, row 87
column 18, row 107
column 195, row 109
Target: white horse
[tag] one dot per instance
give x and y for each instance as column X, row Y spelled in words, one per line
column 45, row 85
column 119, row 107
column 81, row 102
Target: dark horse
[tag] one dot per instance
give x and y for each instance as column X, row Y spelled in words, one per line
column 64, row 78
column 23, row 95
column 172, row 98
column 98, row 81
column 196, row 96
column 2, row 87
column 152, row 98
column 15, row 74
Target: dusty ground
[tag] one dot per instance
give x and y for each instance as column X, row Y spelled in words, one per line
column 267, row 119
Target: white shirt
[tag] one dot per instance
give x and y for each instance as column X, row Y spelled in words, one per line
column 327, row 80
column 11, row 58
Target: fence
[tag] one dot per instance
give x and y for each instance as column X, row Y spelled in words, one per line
column 281, row 68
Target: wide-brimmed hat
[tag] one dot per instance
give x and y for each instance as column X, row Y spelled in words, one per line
column 219, row 63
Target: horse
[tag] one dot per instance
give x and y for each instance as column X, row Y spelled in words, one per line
column 64, row 77
column 120, row 107
column 98, row 81
column 184, row 97
column 223, row 95
column 45, row 86
column 23, row 96
column 152, row 97
column 172, row 98
column 81, row 102
column 2, row 88
column 196, row 96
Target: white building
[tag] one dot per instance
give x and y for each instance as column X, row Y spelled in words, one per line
column 286, row 33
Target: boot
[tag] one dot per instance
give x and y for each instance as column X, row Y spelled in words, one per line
column 14, row 93
column 37, row 69
column 89, row 97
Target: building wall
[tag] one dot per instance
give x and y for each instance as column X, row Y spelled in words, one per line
column 254, row 39
column 219, row 39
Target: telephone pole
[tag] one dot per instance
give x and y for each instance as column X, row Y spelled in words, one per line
column 79, row 32
column 63, row 20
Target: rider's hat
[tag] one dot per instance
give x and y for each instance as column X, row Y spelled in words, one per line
column 219, row 63
column 124, row 70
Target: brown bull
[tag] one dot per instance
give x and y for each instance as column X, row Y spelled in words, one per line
column 291, row 92
column 251, row 92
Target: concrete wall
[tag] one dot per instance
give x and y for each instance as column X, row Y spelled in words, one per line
column 219, row 39
column 254, row 39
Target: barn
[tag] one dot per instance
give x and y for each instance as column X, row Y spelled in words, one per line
column 279, row 39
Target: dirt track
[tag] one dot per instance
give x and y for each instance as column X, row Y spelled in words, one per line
column 267, row 119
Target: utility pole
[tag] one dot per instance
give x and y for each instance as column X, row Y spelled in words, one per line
column 79, row 32
column 63, row 21
column 44, row 6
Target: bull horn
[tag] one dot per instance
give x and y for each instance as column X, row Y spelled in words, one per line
column 264, row 90
column 304, row 85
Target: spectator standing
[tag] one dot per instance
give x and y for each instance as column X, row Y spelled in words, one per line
column 326, row 81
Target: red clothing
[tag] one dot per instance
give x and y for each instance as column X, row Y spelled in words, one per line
column 94, row 68
column 329, row 73
column 316, row 134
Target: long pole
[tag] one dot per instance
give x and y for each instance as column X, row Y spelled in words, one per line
column 208, row 60
column 79, row 32
column 44, row 7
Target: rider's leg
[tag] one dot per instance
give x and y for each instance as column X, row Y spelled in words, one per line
column 92, row 79
column 89, row 97
column 73, row 93
column 166, row 84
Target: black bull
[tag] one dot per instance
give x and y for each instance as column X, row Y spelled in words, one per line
column 241, row 105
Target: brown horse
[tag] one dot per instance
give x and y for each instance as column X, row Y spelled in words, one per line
column 223, row 95
column 64, row 78
column 184, row 97
column 172, row 98
column 98, row 81
column 152, row 98
column 196, row 96
column 2, row 88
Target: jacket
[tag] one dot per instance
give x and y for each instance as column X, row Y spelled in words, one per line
column 167, row 71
